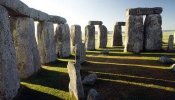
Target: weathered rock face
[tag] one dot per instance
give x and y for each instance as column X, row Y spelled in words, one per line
column 93, row 95
column 166, row 60
column 46, row 42
column 76, row 35
column 62, row 37
column 80, row 54
column 117, row 36
column 90, row 79
column 75, row 85
column 9, row 79
column 170, row 43
column 95, row 22
column 144, row 11
column 134, row 34
column 153, row 32
column 102, row 39
column 90, row 37
column 120, row 23
column 28, row 59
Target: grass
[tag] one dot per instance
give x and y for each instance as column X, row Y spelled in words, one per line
column 121, row 76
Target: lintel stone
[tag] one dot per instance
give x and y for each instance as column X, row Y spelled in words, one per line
column 95, row 22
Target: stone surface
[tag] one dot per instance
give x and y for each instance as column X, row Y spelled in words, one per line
column 75, row 85
column 170, row 43
column 90, row 37
column 62, row 37
column 76, row 35
column 93, row 95
column 173, row 67
column 166, row 60
column 28, row 59
column 80, row 54
column 95, row 22
column 46, row 42
column 9, row 79
column 153, row 32
column 102, row 36
column 57, row 19
column 117, row 36
column 90, row 79
column 120, row 23
column 144, row 11
column 38, row 15
column 134, row 34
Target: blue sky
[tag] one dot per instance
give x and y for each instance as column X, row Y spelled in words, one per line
column 108, row 11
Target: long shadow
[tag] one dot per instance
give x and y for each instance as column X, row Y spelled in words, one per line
column 57, row 63
column 26, row 93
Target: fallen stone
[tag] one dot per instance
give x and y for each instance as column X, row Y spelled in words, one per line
column 95, row 22
column 28, row 59
column 46, row 42
column 134, row 34
column 144, row 11
column 166, row 60
column 153, row 32
column 120, row 23
column 117, row 36
column 62, row 37
column 102, row 36
column 75, row 85
column 173, row 67
column 170, row 43
column 9, row 79
column 90, row 79
column 90, row 37
column 93, row 95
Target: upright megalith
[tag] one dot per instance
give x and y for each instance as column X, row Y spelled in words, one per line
column 153, row 32
column 117, row 34
column 90, row 37
column 80, row 53
column 62, row 37
column 46, row 42
column 9, row 79
column 102, row 36
column 170, row 43
column 75, row 85
column 28, row 59
column 134, row 33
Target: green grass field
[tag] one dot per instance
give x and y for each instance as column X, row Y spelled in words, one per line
column 121, row 76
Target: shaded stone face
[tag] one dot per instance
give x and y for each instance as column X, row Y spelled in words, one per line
column 144, row 11
column 62, row 37
column 90, row 37
column 134, row 34
column 102, row 36
column 117, row 36
column 95, row 22
column 170, row 43
column 28, row 59
column 80, row 54
column 120, row 23
column 153, row 32
column 76, row 35
column 75, row 85
column 46, row 42
column 9, row 79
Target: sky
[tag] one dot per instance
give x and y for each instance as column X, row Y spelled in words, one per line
column 109, row 11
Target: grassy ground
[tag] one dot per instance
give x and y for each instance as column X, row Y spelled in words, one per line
column 121, row 76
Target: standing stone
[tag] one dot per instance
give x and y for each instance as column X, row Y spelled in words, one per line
column 62, row 37
column 46, row 42
column 75, row 85
column 9, row 79
column 153, row 32
column 90, row 37
column 117, row 36
column 170, row 43
column 28, row 59
column 134, row 34
column 80, row 54
column 102, row 39
column 76, row 36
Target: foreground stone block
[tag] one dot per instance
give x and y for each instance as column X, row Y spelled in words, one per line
column 117, row 36
column 75, row 85
column 134, row 34
column 170, row 43
column 90, row 37
column 144, row 11
column 9, row 79
column 80, row 53
column 102, row 39
column 46, row 42
column 95, row 22
column 28, row 59
column 90, row 79
column 153, row 32
column 62, row 37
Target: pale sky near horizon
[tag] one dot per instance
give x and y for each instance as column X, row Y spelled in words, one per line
column 109, row 11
